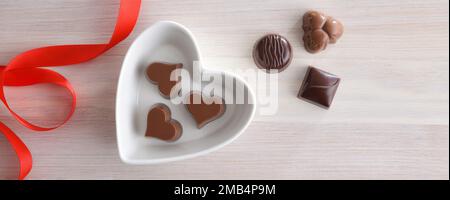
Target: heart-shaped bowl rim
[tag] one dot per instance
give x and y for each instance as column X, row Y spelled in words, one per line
column 188, row 155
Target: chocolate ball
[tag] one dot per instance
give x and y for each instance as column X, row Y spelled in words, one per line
column 334, row 28
column 313, row 20
column 272, row 52
column 316, row 41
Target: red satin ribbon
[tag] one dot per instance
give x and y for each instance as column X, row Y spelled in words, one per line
column 23, row 70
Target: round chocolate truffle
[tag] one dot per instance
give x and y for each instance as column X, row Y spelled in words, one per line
column 272, row 52
column 316, row 41
column 334, row 28
column 313, row 20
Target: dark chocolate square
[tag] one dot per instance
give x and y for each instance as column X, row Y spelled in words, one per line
column 319, row 87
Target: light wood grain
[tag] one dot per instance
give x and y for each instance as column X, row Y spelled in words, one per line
column 390, row 118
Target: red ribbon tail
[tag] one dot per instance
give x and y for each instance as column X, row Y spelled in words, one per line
column 22, row 151
column 25, row 69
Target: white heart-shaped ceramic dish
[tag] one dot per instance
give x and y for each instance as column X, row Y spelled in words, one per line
column 170, row 42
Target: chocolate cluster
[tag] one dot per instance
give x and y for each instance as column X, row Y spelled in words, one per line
column 320, row 30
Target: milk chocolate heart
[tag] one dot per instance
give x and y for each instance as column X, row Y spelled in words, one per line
column 204, row 109
column 160, row 124
column 159, row 74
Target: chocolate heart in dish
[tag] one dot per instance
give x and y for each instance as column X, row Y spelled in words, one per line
column 161, row 125
column 159, row 74
column 170, row 42
column 204, row 109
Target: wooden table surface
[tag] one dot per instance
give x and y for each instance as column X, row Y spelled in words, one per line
column 390, row 118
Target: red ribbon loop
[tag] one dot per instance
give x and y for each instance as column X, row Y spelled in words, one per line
column 23, row 70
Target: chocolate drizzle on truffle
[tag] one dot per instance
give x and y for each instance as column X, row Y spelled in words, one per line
column 272, row 52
